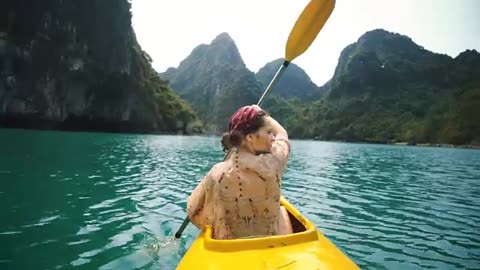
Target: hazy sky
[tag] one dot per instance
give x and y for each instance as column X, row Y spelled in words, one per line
column 169, row 30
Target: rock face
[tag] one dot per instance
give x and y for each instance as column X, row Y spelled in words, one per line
column 294, row 83
column 215, row 81
column 77, row 65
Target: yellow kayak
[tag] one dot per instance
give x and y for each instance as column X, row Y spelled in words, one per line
column 307, row 248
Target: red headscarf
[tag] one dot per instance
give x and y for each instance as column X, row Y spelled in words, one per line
column 242, row 119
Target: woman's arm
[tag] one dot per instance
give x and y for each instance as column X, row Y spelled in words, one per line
column 278, row 130
column 196, row 203
column 281, row 145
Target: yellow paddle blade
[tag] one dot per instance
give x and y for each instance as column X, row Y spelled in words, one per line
column 307, row 27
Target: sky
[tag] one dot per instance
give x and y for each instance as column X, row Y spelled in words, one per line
column 169, row 30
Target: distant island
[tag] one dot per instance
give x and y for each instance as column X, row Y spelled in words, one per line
column 60, row 71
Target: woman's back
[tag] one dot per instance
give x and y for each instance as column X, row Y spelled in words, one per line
column 247, row 198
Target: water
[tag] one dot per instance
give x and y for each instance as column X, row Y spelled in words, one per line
column 110, row 201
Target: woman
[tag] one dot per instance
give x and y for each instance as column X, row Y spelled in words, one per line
column 240, row 197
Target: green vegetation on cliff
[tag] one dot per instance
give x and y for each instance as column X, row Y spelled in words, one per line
column 294, row 84
column 77, row 65
column 215, row 81
column 385, row 88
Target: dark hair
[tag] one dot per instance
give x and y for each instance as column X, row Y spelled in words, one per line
column 235, row 138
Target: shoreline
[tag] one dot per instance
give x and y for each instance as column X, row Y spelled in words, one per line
column 442, row 145
column 439, row 145
column 180, row 133
column 97, row 126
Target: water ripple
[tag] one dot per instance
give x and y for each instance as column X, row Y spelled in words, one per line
column 117, row 202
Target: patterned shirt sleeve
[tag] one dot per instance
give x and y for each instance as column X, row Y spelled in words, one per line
column 273, row 164
column 281, row 152
column 197, row 202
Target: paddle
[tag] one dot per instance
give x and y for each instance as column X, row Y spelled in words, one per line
column 302, row 35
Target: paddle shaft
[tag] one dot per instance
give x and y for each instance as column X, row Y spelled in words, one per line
column 275, row 79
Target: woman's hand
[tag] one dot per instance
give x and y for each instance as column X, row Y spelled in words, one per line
column 260, row 109
column 256, row 107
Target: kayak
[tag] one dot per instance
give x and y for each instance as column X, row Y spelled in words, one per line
column 306, row 248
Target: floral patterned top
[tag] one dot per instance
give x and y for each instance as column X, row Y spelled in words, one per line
column 240, row 197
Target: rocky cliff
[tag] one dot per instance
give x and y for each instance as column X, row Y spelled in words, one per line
column 215, row 81
column 68, row 64
column 387, row 88
column 294, row 83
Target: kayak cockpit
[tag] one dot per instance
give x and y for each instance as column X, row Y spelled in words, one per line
column 303, row 231
column 297, row 226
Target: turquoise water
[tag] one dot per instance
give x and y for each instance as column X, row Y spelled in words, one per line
column 110, row 201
